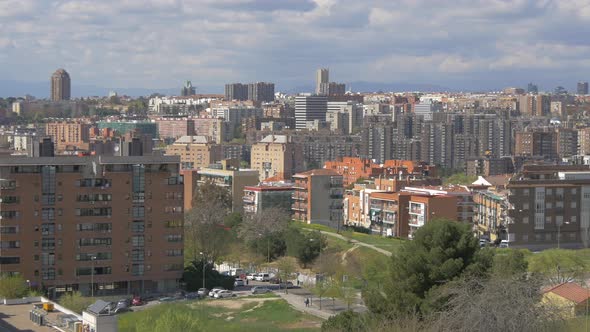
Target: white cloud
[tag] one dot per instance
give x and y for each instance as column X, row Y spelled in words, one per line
column 159, row 43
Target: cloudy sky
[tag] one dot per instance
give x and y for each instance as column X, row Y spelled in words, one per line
column 462, row 44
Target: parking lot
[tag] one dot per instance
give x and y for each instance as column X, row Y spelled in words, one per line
column 239, row 291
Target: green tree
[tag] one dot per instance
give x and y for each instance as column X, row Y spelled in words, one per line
column 307, row 247
column 193, row 277
column 12, row 287
column 75, row 301
column 558, row 265
column 510, row 263
column 286, row 267
column 440, row 252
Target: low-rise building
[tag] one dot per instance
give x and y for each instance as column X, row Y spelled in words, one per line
column 268, row 195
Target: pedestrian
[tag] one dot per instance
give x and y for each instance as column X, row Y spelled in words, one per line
column 247, row 280
column 307, row 302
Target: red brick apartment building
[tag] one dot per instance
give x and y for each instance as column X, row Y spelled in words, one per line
column 111, row 223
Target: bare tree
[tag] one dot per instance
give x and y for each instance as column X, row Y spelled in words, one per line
column 204, row 224
column 286, row 267
column 498, row 304
column 267, row 222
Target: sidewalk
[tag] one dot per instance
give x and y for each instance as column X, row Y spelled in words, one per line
column 296, row 298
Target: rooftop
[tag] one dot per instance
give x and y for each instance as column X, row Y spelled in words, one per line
column 192, row 140
column 281, row 139
column 319, row 171
column 74, row 160
column 570, row 291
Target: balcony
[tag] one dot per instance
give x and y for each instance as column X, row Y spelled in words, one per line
column 299, row 207
column 299, row 196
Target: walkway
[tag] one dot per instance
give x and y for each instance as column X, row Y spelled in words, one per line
column 329, row 307
column 356, row 242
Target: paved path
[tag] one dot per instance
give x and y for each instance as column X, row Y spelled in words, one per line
column 329, row 307
column 298, row 303
column 356, row 242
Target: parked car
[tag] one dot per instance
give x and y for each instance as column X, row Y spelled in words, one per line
column 136, row 301
column 239, row 282
column 166, row 299
column 191, row 295
column 251, row 276
column 263, row 277
column 215, row 290
column 287, row 284
column 260, row 290
column 223, row 294
column 123, row 303
column 504, row 244
column 120, row 310
column 203, row 292
column 275, row 280
column 483, row 243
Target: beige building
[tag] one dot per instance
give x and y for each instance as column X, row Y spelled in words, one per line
column 276, row 155
column 60, row 85
column 318, row 197
column 228, row 175
column 68, row 134
column 113, row 224
column 195, row 151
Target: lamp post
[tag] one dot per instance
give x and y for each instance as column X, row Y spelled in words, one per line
column 203, row 268
column 93, row 258
column 559, row 232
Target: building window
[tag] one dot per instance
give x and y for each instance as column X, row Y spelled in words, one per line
column 573, row 218
column 559, row 220
column 548, row 237
column 538, row 237
column 525, row 220
column 574, row 191
column 137, row 269
column 138, row 212
column 525, row 206
column 174, row 238
column 548, row 205
column 525, row 237
column 137, row 241
column 174, row 252
column 573, row 205
column 548, row 219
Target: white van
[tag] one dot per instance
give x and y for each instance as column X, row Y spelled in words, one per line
column 504, row 244
column 263, row 277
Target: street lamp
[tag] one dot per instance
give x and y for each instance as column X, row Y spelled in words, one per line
column 559, row 232
column 93, row 258
column 203, row 268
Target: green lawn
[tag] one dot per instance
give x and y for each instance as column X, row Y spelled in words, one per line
column 243, row 314
column 382, row 242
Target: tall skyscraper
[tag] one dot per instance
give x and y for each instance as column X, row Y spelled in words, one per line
column 322, row 76
column 188, row 89
column 236, row 91
column 332, row 89
column 582, row 88
column 60, row 85
column 261, row 91
column 309, row 108
column 532, row 88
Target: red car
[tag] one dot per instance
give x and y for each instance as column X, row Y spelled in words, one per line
column 136, row 301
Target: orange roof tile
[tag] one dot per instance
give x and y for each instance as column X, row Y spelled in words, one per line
column 570, row 291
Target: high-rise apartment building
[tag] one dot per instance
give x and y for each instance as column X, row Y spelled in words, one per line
column 536, row 143
column 326, row 188
column 112, row 224
column 310, row 108
column 261, row 91
column 276, row 155
column 228, row 175
column 60, row 85
column 582, row 88
column 322, row 76
column 236, row 91
column 584, row 141
column 68, row 134
column 549, row 207
column 332, row 89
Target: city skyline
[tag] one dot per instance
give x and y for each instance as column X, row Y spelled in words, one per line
column 500, row 44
